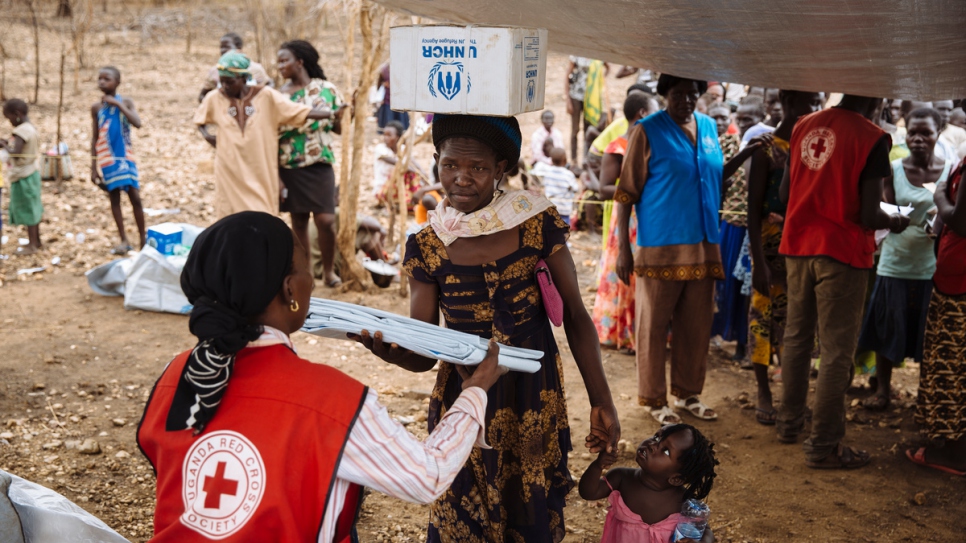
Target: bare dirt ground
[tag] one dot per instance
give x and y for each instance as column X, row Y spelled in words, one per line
column 77, row 366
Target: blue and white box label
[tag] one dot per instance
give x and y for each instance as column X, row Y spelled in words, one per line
column 468, row 69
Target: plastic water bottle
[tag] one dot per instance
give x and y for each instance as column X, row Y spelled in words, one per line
column 696, row 514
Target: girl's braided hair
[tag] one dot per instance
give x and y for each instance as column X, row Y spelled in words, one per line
column 697, row 463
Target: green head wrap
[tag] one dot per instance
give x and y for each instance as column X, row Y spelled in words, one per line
column 233, row 64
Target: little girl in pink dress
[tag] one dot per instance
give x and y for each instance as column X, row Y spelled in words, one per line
column 674, row 465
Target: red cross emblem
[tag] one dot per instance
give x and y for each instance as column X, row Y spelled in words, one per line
column 817, row 147
column 216, row 486
column 223, row 483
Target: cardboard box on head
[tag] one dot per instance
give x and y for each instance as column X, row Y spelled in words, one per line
column 474, row 70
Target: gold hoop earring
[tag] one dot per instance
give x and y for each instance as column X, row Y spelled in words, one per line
column 294, row 306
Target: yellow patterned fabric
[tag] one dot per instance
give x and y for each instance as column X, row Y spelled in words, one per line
column 516, row 491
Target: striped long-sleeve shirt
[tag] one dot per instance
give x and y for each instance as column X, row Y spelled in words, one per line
column 382, row 455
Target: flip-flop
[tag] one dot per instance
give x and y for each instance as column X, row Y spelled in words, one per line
column 766, row 416
column 919, row 457
column 122, row 250
column 696, row 408
column 334, row 283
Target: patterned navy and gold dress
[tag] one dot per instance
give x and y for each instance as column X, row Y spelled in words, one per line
column 515, row 491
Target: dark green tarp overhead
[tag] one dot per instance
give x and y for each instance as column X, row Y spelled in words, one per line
column 913, row 49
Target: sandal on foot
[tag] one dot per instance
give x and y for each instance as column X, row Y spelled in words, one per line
column 746, row 364
column 919, row 457
column 876, row 402
column 843, row 457
column 664, row 415
column 697, row 408
column 334, row 283
column 122, row 250
column 766, row 416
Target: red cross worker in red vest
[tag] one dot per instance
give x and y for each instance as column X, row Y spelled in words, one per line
column 250, row 442
column 833, row 186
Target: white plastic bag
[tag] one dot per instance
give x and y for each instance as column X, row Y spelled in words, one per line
column 154, row 284
column 108, row 279
column 48, row 517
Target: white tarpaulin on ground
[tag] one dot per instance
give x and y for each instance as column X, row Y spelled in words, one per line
column 911, row 49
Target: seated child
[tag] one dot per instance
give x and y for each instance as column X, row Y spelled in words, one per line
column 675, row 465
column 559, row 183
column 385, row 162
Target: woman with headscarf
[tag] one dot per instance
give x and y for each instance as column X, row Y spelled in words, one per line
column 478, row 263
column 305, row 155
column 249, row 441
column 248, row 119
column 672, row 174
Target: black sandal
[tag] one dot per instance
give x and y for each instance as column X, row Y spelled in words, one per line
column 766, row 417
column 842, row 458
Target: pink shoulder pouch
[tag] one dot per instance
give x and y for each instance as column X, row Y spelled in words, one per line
column 552, row 302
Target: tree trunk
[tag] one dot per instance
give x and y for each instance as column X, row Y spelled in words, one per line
column 353, row 275
column 60, row 109
column 36, row 29
column 189, row 14
column 64, row 9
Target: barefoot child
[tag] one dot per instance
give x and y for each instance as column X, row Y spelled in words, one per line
column 675, row 465
column 24, row 148
column 114, row 169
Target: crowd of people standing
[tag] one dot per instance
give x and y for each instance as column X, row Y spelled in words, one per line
column 812, row 213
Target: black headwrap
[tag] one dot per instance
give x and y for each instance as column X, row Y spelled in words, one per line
column 500, row 133
column 235, row 268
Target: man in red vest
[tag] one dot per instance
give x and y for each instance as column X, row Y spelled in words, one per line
column 833, row 185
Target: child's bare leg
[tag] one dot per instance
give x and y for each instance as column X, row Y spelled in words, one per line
column 118, row 215
column 33, row 234
column 135, row 196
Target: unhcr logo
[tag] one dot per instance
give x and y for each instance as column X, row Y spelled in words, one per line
column 449, row 51
column 446, row 77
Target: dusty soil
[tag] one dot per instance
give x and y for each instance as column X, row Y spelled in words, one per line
column 78, row 366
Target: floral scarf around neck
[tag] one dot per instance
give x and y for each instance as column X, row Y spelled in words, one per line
column 507, row 210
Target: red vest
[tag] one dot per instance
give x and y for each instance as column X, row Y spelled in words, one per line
column 950, row 276
column 827, row 153
column 263, row 468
